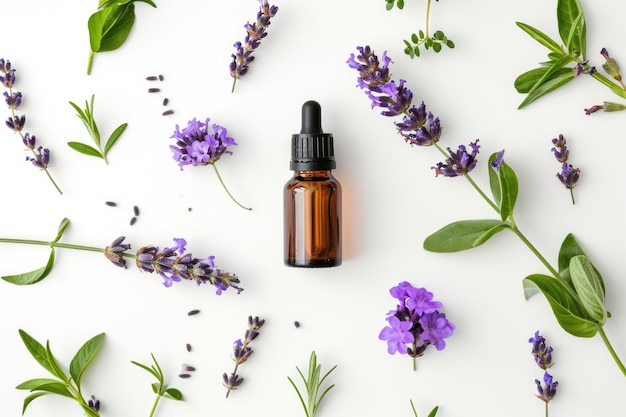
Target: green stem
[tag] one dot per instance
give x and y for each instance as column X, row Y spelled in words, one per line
column 226, row 189
column 154, row 405
column 427, row 18
column 90, row 62
column 608, row 345
column 60, row 245
column 546, row 409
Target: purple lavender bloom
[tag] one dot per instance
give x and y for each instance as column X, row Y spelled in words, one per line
column 200, row 143
column 497, row 163
column 419, row 127
column 581, row 68
column 371, row 74
column 611, row 67
column 16, row 123
column 29, row 140
column 174, row 264
column 13, row 100
column 396, row 99
column 8, row 79
column 94, row 403
column 541, row 351
column 254, row 33
column 397, row 335
column 435, row 328
column 41, row 158
column 568, row 176
column 460, row 162
column 560, row 151
column 116, row 251
column 241, row 353
column 5, row 65
column 547, row 390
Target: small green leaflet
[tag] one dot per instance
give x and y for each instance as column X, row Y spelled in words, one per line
column 462, row 235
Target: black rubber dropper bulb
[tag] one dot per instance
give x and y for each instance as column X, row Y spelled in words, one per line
column 312, row 149
column 311, row 118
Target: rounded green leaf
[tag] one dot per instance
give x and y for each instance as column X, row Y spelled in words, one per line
column 589, row 287
column 84, row 356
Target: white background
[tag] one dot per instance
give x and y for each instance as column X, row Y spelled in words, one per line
column 392, row 201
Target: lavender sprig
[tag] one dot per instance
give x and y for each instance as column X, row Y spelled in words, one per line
column 13, row 99
column 568, row 175
column 173, row 264
column 241, row 353
column 542, row 353
column 201, row 144
column 255, row 32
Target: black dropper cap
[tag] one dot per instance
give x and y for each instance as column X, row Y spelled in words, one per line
column 312, row 149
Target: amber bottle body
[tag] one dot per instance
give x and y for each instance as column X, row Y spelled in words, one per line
column 312, row 216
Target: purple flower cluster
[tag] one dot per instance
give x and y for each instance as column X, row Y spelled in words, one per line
column 460, row 162
column 416, row 323
column 254, row 33
column 542, row 353
column 174, row 264
column 241, row 353
column 200, row 143
column 418, row 126
column 16, row 122
column 568, row 175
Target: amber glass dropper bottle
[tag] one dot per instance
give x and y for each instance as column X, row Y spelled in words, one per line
column 312, row 197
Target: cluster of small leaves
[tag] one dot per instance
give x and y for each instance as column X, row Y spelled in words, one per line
column 110, row 25
column 575, row 291
column 68, row 386
column 87, row 117
column 313, row 383
column 159, row 388
column 422, row 39
column 436, row 42
column 557, row 71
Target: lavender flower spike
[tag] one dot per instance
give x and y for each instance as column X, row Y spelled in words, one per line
column 541, row 351
column 174, row 264
column 241, row 353
column 254, row 33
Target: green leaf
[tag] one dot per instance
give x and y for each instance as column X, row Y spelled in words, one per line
column 36, row 350
column 450, row 44
column 525, row 82
column 414, row 38
column 114, row 137
column 106, row 3
column 433, row 413
column 85, row 149
column 32, row 277
column 30, row 398
column 33, row 384
column 51, row 387
column 463, row 235
column 54, row 364
column 589, row 287
column 571, row 28
column 542, row 38
column 504, row 187
column 173, row 394
column 109, row 27
column 62, row 226
column 84, row 356
column 569, row 249
column 548, row 85
column 436, row 47
column 567, row 310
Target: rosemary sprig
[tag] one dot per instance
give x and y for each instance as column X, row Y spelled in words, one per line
column 313, row 385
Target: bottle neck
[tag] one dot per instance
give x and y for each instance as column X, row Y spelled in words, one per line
column 320, row 173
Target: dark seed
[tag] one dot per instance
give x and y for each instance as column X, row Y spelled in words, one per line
column 165, row 101
column 136, row 210
column 153, row 90
column 189, row 209
column 297, row 324
column 188, row 346
column 168, row 112
column 188, row 368
column 184, row 376
column 160, row 77
column 133, row 220
column 151, row 78
column 193, row 312
column 110, row 203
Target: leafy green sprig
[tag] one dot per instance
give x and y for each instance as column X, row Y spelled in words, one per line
column 87, row 117
column 422, row 38
column 64, row 384
column 557, row 70
column 110, row 25
column 432, row 413
column 313, row 383
column 574, row 289
column 160, row 388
